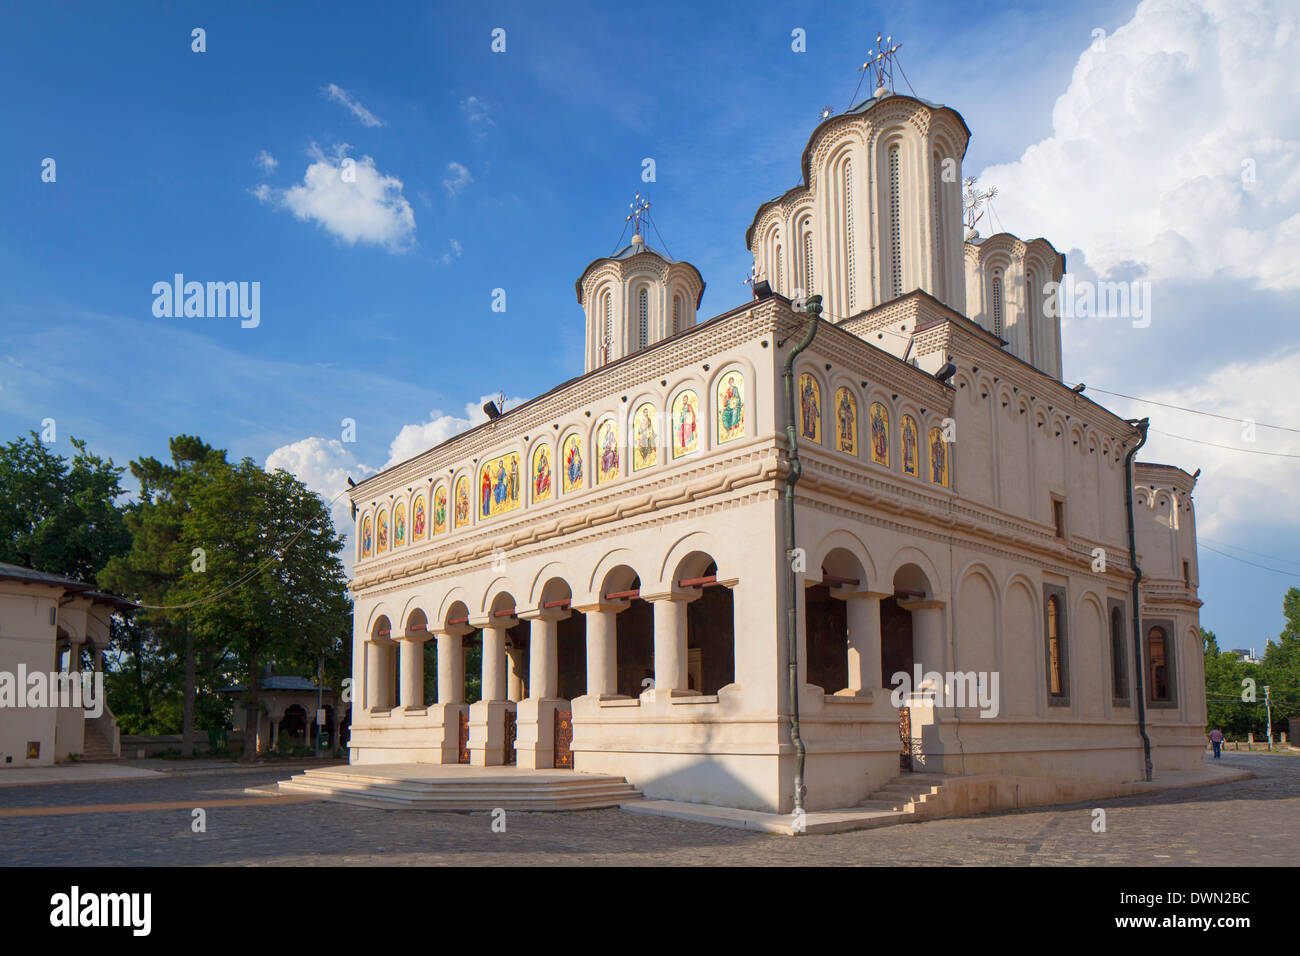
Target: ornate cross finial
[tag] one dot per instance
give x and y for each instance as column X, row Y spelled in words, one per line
column 973, row 201
column 881, row 65
column 640, row 207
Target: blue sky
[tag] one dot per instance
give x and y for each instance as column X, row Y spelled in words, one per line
column 514, row 170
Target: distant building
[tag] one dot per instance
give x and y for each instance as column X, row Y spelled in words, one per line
column 1247, row 655
column 53, row 627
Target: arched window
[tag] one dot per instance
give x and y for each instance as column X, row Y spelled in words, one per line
column 895, row 223
column 606, row 328
column 1118, row 667
column 848, row 232
column 936, row 199
column 678, row 310
column 997, row 303
column 1158, row 664
column 780, row 270
column 1054, row 646
column 808, row 263
column 1031, row 314
column 642, row 318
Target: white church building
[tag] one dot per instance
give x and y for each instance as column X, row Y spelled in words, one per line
column 616, row 560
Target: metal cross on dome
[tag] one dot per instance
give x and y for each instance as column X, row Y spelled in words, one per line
column 882, row 64
column 974, row 201
column 640, row 207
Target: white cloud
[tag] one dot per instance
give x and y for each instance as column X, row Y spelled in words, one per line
column 476, row 114
column 457, row 179
column 350, row 199
column 266, row 162
column 324, row 466
column 414, row 439
column 263, row 192
column 449, row 257
column 1243, row 487
column 340, row 95
column 1176, row 148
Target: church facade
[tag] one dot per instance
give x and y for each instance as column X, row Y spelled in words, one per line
column 600, row 576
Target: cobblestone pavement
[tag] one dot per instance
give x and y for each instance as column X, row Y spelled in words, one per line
column 1252, row 822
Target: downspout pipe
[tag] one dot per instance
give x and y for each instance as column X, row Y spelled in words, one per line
column 1142, row 426
column 814, row 310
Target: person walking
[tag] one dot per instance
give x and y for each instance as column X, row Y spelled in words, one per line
column 1216, row 738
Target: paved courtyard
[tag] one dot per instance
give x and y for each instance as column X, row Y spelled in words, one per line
column 1254, row 822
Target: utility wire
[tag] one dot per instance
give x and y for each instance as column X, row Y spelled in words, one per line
column 1258, row 554
column 1194, row 411
column 1262, row 567
column 1215, row 444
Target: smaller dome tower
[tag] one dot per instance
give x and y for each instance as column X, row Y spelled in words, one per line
column 636, row 297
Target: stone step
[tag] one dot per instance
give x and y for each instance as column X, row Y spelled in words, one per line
column 520, row 788
column 390, row 800
column 887, row 806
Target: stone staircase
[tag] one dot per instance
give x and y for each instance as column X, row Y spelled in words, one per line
column 908, row 793
column 435, row 787
column 96, row 746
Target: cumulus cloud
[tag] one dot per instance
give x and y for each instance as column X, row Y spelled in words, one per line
column 1175, row 149
column 452, row 254
column 340, row 95
column 414, row 439
column 457, row 179
column 1243, row 486
column 266, row 162
column 324, row 466
column 350, row 199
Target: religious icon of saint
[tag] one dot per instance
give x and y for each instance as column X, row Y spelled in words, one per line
column 810, row 404
column 399, row 525
column 365, row 538
column 879, row 435
column 573, row 464
column 686, row 425
column 417, row 519
column 513, row 495
column 938, row 458
column 462, row 502
column 909, row 446
column 847, row 416
column 645, row 436
column 486, row 491
column 381, row 537
column 500, row 488
column 732, row 413
column 608, row 452
column 542, row 477
column 440, row 510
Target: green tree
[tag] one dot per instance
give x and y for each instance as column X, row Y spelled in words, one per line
column 274, row 588
column 58, row 515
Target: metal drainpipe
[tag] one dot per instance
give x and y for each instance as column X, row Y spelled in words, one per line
column 814, row 309
column 1141, row 426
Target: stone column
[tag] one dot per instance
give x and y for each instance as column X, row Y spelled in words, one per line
column 862, row 609
column 374, row 671
column 671, row 678
column 602, row 648
column 927, row 634
column 515, row 668
column 451, row 666
column 99, row 657
column 494, row 662
column 535, row 728
column 74, row 657
column 487, row 720
column 412, row 650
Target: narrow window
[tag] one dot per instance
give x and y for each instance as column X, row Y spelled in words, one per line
column 936, row 198
column 642, row 319
column 895, row 223
column 1058, row 516
column 677, row 313
column 807, row 263
column 607, row 323
column 780, row 270
column 1187, row 575
column 848, row 230
column 1054, row 646
column 1118, row 668
column 1158, row 663
column 997, row 303
column 1031, row 316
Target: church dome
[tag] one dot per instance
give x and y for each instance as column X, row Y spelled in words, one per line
column 634, row 298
